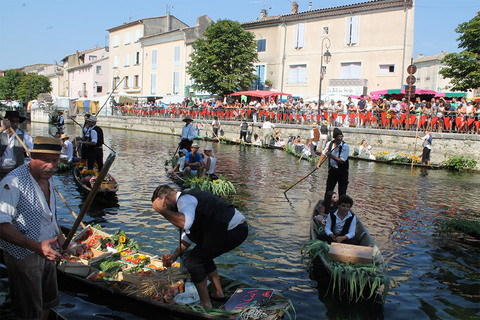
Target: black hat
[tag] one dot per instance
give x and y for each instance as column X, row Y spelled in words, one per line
column 187, row 118
column 14, row 114
column 337, row 132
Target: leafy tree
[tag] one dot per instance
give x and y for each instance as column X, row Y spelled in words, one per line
column 39, row 84
column 9, row 84
column 464, row 68
column 222, row 62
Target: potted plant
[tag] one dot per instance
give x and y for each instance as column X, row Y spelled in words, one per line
column 268, row 83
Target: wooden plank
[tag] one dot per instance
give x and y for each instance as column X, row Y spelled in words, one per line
column 350, row 253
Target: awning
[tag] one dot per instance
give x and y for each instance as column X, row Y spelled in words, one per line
column 401, row 91
column 451, row 94
column 259, row 93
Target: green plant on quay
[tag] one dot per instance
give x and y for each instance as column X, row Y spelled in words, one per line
column 460, row 162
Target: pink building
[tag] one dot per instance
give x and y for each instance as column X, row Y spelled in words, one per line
column 87, row 73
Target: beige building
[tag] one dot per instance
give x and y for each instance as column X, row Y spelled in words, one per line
column 126, row 52
column 371, row 45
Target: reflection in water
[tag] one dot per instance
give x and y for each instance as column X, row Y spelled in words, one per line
column 398, row 206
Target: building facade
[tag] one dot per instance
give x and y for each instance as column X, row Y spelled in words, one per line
column 370, row 46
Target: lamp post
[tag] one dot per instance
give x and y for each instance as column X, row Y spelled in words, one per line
column 327, row 56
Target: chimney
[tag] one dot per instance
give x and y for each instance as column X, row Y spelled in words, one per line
column 420, row 55
column 263, row 14
column 168, row 19
column 310, row 6
column 294, row 7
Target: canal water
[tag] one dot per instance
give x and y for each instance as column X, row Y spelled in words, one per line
column 437, row 277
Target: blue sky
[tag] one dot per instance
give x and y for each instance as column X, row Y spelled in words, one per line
column 45, row 31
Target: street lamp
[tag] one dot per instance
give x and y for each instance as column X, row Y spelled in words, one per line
column 327, row 56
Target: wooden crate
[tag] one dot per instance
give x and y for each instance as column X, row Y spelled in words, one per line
column 350, row 253
column 108, row 185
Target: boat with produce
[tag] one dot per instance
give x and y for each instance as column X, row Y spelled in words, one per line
column 355, row 272
column 397, row 159
column 85, row 179
column 113, row 269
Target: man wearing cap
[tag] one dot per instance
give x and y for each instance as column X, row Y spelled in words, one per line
column 188, row 134
column 12, row 152
column 67, row 148
column 336, row 152
column 94, row 142
column 194, row 162
column 60, row 122
column 29, row 231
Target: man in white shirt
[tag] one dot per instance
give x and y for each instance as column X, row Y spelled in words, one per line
column 12, row 152
column 67, row 148
column 188, row 134
column 267, row 132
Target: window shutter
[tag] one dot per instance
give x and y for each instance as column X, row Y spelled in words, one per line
column 115, row 41
column 127, row 59
column 137, row 35
column 127, row 38
column 176, row 56
column 153, row 83
column 154, row 59
column 176, row 82
column 115, row 61
column 354, row 30
column 301, row 35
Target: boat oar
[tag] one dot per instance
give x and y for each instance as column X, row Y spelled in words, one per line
column 293, row 185
column 82, row 127
column 96, row 114
column 91, row 195
column 416, row 136
column 71, row 210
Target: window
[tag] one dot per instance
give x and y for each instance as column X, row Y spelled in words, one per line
column 351, row 70
column 176, row 82
column 127, row 60
column 115, row 82
column 299, row 35
column 127, row 38
column 154, row 59
column 137, row 58
column 176, row 56
column 153, row 83
column 427, row 78
column 419, row 79
column 116, row 40
column 136, row 82
column 386, row 68
column 115, row 61
column 326, row 30
column 297, row 74
column 99, row 89
column 137, row 34
column 98, row 69
column 92, row 58
column 352, row 31
column 125, row 83
column 261, row 45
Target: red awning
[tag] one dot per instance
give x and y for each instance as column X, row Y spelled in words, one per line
column 259, row 93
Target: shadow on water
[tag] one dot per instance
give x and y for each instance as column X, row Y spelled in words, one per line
column 399, row 207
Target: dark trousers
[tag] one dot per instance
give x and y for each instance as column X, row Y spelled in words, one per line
column 95, row 155
column 425, row 155
column 329, row 240
column 186, row 144
column 199, row 261
column 243, row 134
column 337, row 176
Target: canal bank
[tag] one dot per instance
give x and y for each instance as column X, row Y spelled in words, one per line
column 392, row 141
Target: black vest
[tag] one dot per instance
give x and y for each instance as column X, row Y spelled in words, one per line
column 341, row 166
column 212, row 216
column 99, row 136
column 346, row 226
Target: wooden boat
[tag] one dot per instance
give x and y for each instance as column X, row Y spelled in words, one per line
column 409, row 164
column 105, row 189
column 177, row 178
column 328, row 269
column 123, row 291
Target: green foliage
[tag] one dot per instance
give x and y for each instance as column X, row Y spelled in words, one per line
column 460, row 162
column 39, row 84
column 222, row 62
column 466, row 225
column 353, row 281
column 219, row 187
column 463, row 68
column 9, row 84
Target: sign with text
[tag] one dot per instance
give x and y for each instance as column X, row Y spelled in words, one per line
column 245, row 297
column 345, row 90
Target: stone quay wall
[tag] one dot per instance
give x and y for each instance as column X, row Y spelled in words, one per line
column 392, row 141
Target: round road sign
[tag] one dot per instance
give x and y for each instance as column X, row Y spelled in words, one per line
column 411, row 69
column 411, row 80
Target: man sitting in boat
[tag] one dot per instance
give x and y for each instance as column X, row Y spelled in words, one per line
column 340, row 226
column 67, row 149
column 211, row 223
column 209, row 163
column 193, row 162
column 180, row 166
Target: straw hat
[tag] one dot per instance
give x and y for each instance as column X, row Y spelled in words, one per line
column 64, row 136
column 187, row 118
column 195, row 146
column 207, row 148
column 46, row 145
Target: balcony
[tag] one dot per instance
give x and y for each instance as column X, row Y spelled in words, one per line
column 83, row 94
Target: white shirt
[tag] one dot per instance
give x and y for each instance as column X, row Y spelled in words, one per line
column 187, row 205
column 334, row 151
column 188, row 132
column 9, row 201
column 8, row 160
column 268, row 125
column 339, row 225
column 67, row 150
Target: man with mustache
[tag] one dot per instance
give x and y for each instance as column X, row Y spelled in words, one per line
column 29, row 231
column 12, row 154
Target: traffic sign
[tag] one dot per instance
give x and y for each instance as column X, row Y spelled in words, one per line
column 411, row 69
column 411, row 79
column 410, row 90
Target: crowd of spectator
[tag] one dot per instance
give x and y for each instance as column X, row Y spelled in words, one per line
column 435, row 114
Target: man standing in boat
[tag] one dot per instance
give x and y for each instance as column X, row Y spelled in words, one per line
column 29, row 231
column 12, row 153
column 94, row 144
column 188, row 134
column 211, row 223
column 336, row 152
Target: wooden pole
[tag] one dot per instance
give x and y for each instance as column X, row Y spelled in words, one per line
column 71, row 210
column 109, row 97
column 416, row 136
column 293, row 185
column 16, row 136
column 91, row 195
column 82, row 127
